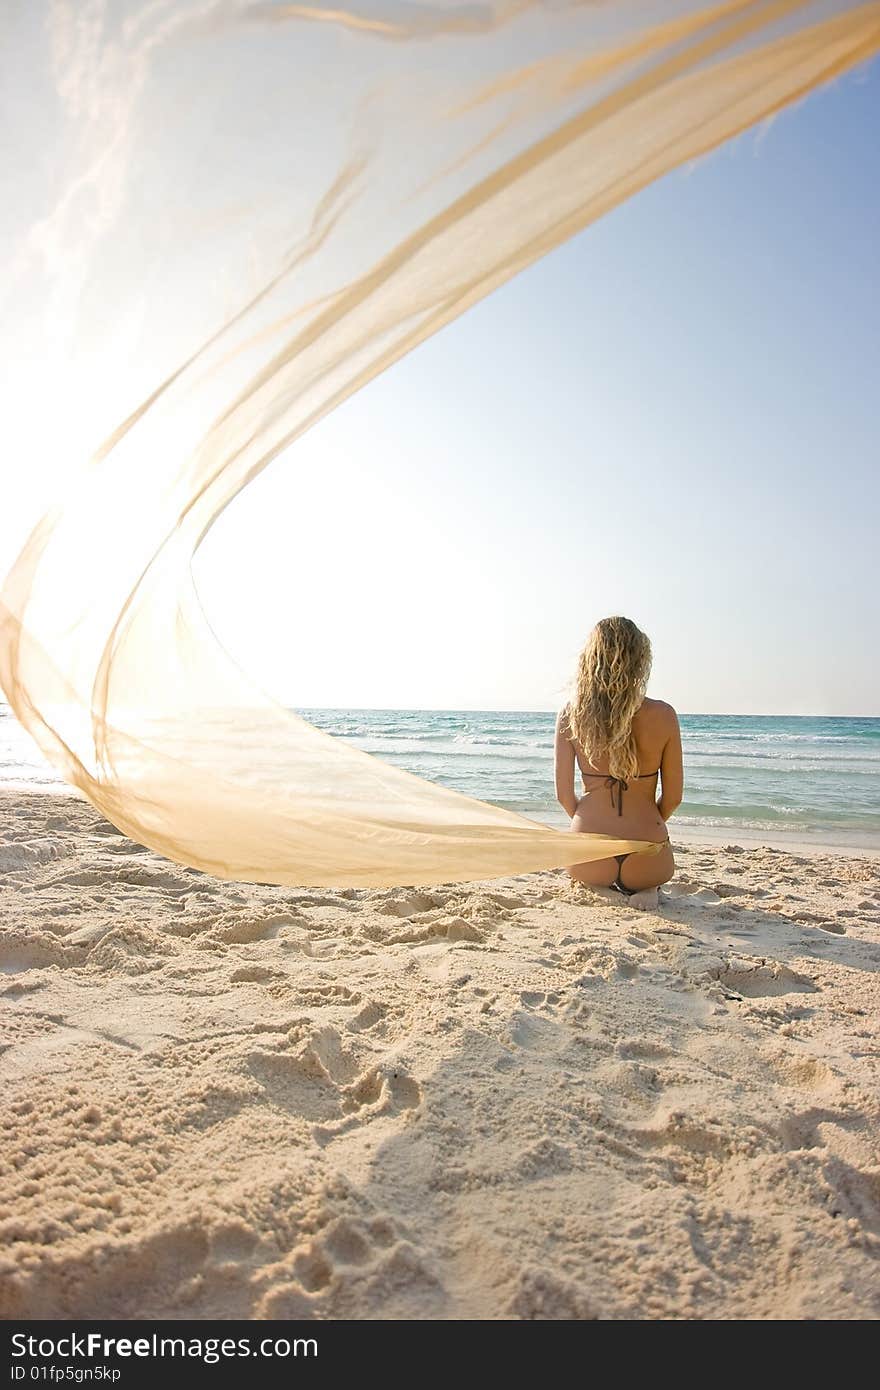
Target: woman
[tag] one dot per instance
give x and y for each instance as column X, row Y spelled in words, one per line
column 621, row 742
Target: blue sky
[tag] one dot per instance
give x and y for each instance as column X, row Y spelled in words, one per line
column 674, row 416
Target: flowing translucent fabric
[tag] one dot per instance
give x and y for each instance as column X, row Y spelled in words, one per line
column 220, row 220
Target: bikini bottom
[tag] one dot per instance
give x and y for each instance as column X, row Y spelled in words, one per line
column 621, row 887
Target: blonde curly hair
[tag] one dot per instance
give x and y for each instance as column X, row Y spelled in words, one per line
column 612, row 677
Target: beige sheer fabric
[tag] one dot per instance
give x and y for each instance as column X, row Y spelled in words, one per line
column 224, row 219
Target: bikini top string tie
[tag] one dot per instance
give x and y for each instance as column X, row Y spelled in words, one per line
column 621, row 786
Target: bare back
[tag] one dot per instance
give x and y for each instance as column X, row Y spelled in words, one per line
column 633, row 810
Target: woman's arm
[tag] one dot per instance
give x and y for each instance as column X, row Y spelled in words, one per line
column 564, row 756
column 671, row 769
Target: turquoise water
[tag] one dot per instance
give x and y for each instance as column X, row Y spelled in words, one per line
column 812, row 777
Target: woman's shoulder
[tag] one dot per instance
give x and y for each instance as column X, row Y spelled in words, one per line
column 656, row 713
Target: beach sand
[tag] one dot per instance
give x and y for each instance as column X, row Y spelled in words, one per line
column 516, row 1099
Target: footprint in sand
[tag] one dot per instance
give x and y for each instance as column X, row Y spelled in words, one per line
column 701, row 896
column 122, row 877
column 342, row 899
column 386, row 1090
column 326, row 995
column 444, row 963
column 348, row 1253
column 393, row 1087
column 407, row 904
column 240, row 928
column 802, row 1071
column 255, row 975
column 330, row 1056
column 372, row 1014
column 534, row 1000
column 19, row 952
column 24, row 854
column 758, row 979
column 537, row 1033
column 442, row 928
column 308, row 1081
column 484, row 909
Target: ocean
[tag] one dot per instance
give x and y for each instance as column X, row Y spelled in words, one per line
column 766, row 777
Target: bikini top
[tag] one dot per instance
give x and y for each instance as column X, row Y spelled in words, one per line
column 618, row 783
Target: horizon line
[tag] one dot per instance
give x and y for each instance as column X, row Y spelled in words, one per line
column 493, row 709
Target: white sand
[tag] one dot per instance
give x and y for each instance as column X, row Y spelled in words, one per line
column 510, row 1100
